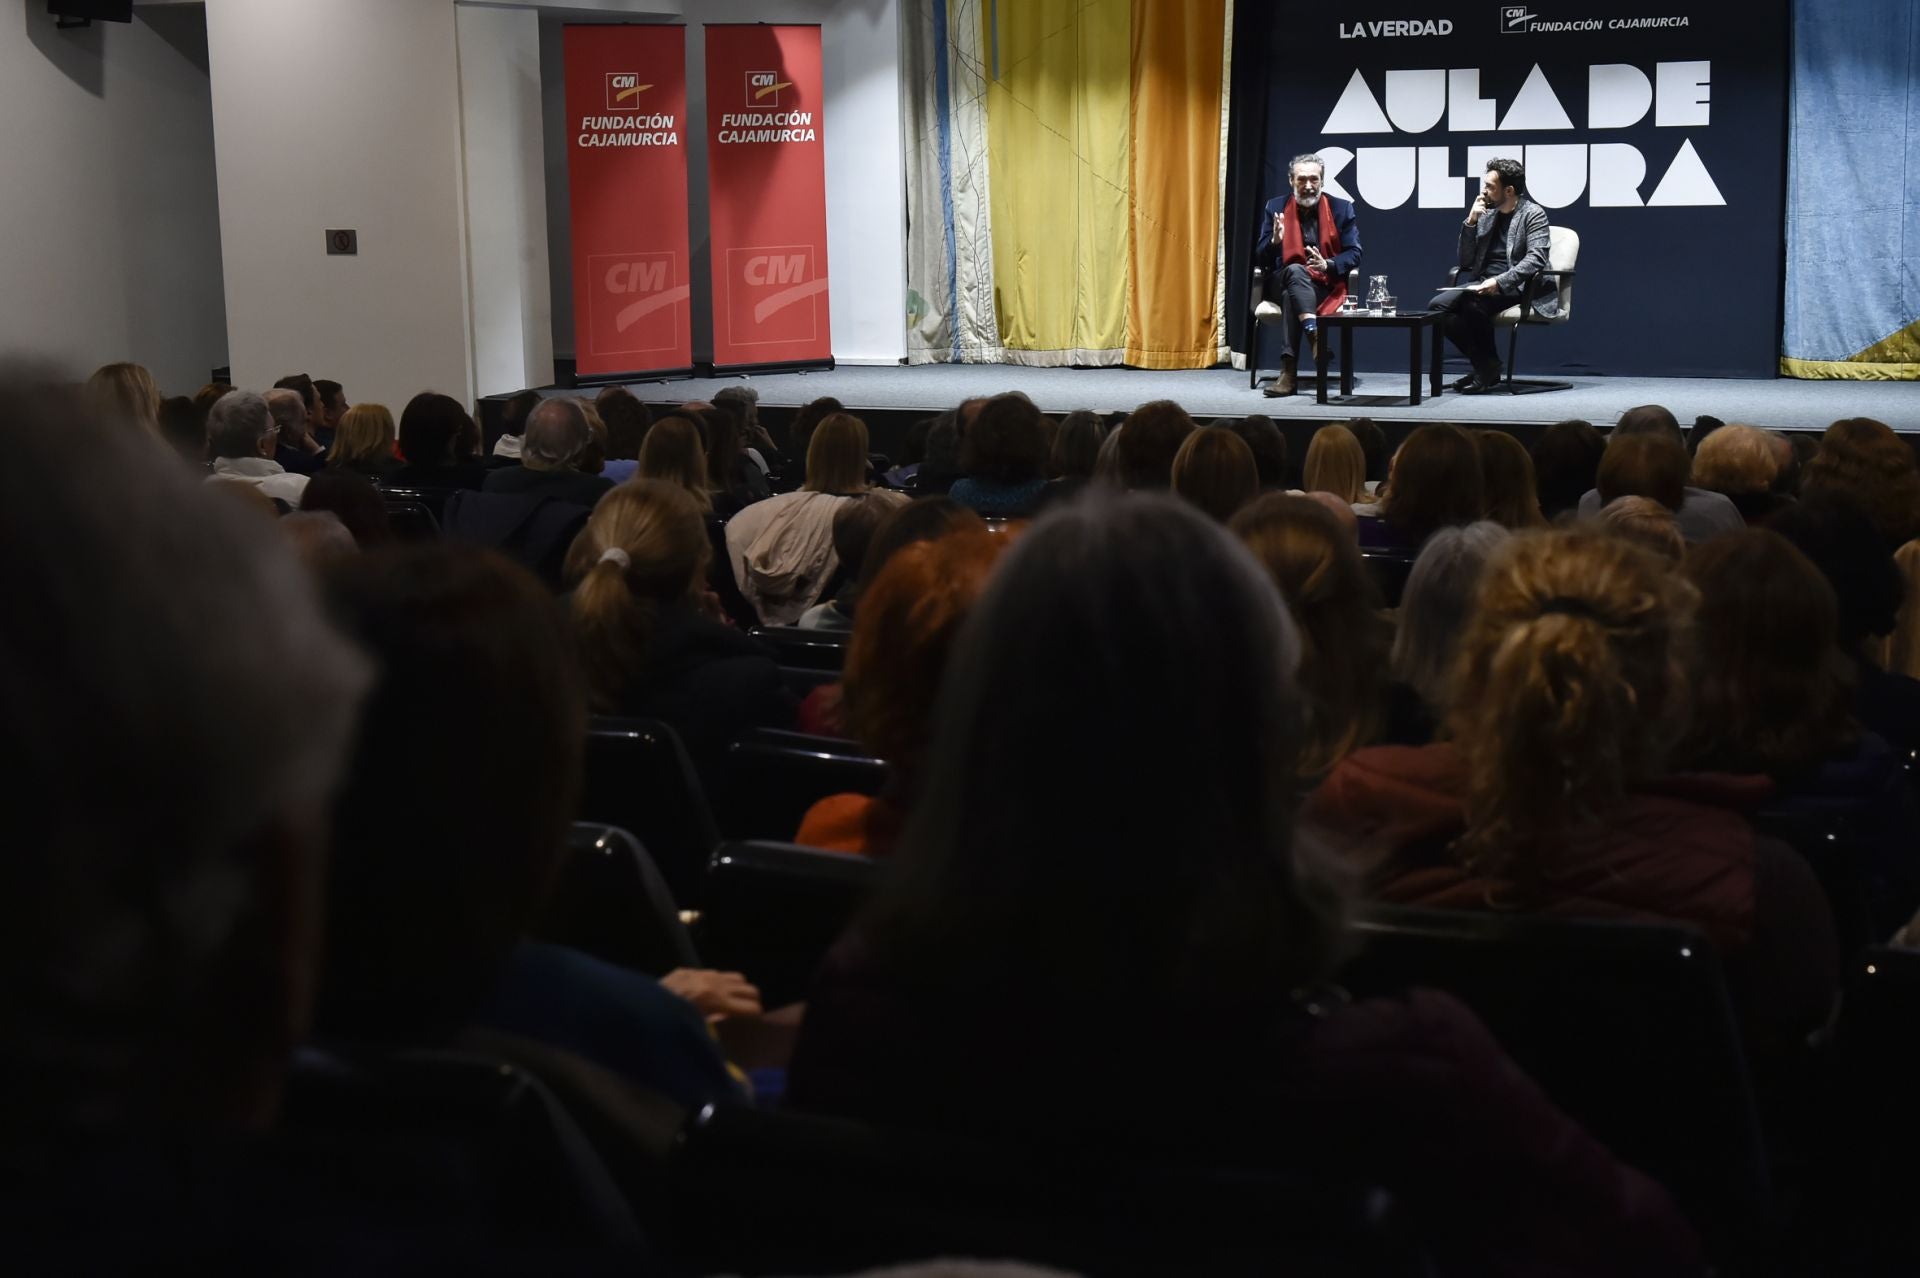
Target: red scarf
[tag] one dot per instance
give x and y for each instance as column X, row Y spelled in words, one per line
column 1294, row 249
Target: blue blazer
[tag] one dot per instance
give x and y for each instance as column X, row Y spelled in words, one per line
column 1266, row 253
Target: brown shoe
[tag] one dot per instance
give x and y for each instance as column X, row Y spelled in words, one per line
column 1284, row 385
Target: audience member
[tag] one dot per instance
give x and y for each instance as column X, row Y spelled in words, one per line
column 302, row 385
column 1373, row 442
column 352, row 496
column 1506, row 475
column 807, row 420
column 333, row 406
column 1076, row 451
column 1900, row 653
column 183, row 424
column 1866, row 461
column 513, row 428
column 674, row 454
column 1434, row 607
column 627, row 421
column 1335, row 606
column 1004, row 457
column 651, row 649
column 1335, row 464
column 1644, row 466
column 240, row 435
column 557, row 434
column 854, row 525
column 1702, row 515
column 1646, row 523
column 782, row 549
column 294, row 446
column 364, row 441
column 437, row 439
column 1434, row 483
column 1030, row 915
column 593, row 459
column 1566, row 462
column 913, row 453
column 902, row 635
column 1149, row 439
column 735, row 480
column 126, row 393
column 318, row 538
column 940, row 469
column 432, row 893
column 1703, row 426
column 1215, row 471
column 1554, row 795
column 1269, row 448
column 743, row 403
column 1742, row 464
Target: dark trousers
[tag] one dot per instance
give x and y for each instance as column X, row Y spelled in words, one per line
column 1299, row 294
column 1469, row 323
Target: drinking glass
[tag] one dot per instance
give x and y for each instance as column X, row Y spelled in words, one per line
column 1389, row 305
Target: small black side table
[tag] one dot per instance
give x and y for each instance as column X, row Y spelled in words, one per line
column 1412, row 321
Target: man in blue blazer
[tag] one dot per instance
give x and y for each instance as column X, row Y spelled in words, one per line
column 1305, row 247
column 1503, row 249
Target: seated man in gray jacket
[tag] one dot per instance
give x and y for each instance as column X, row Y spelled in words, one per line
column 1503, row 249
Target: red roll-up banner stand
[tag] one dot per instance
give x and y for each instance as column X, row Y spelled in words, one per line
column 767, row 196
column 627, row 182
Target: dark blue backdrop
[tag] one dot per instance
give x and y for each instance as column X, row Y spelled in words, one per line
column 1671, row 282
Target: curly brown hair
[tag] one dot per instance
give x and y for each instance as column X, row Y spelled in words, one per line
column 1864, row 459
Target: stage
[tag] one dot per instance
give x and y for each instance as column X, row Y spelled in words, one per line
column 1781, row 403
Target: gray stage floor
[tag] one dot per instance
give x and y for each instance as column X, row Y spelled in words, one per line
column 1780, row 402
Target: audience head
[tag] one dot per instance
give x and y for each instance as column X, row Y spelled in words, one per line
column 1268, row 444
column 318, row 538
column 922, row 519
column 1342, row 512
column 1315, row 562
column 1435, row 483
column 837, row 456
column 1076, row 445
column 904, row 629
column 673, row 454
column 726, row 448
column 1649, row 419
column 1190, row 891
column 1373, row 442
column 807, row 420
column 1215, row 471
column 1149, row 440
column 645, row 547
column 333, row 402
column 183, row 424
column 855, row 522
column 514, row 413
column 290, row 417
column 1506, row 474
column 204, row 398
column 239, row 425
column 433, row 428
column 743, row 403
column 1435, row 605
column 432, row 880
column 1795, row 451
column 1571, row 686
column 364, row 437
column 627, row 420
column 942, row 460
column 593, row 458
column 1643, row 465
column 1335, row 464
column 1566, row 462
column 1772, row 692
column 1703, row 426
column 557, row 434
column 303, row 385
column 1865, row 460
column 1739, row 461
column 352, row 496
column 1006, row 443
column 1647, row 524
column 158, row 895
column 1832, row 530
column 128, row 393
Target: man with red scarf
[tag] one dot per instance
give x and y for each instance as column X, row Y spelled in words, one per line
column 1305, row 246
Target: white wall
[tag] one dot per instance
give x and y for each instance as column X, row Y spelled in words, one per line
column 342, row 113
column 111, row 244
column 866, row 200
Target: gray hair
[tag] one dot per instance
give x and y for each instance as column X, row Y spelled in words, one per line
column 151, row 660
column 1435, row 605
column 289, row 412
column 1308, row 158
column 557, row 432
column 237, row 422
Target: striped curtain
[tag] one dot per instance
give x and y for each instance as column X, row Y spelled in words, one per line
column 1065, row 173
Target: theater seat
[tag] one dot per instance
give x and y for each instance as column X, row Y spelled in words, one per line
column 1389, row 570
column 1626, row 1026
column 807, row 649
column 609, row 900
column 639, row 778
column 773, row 910
column 773, row 777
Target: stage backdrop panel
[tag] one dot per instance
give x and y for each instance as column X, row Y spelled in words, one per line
column 1654, row 128
column 767, row 195
column 627, row 185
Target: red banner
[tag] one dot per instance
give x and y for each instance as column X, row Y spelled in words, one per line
column 767, row 195
column 627, row 179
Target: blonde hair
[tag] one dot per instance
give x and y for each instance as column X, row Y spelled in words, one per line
column 1569, row 689
column 1336, row 463
column 129, row 391
column 837, row 457
column 1736, row 460
column 366, row 434
column 660, row 536
column 673, row 452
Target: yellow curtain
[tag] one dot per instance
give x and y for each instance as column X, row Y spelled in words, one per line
column 1174, row 183
column 1058, row 83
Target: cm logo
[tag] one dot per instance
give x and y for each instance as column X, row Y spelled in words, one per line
column 638, row 287
column 767, row 269
column 637, row 277
column 763, row 88
column 622, row 88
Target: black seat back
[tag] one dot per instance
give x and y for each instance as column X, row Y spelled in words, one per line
column 411, row 520
column 805, row 648
column 773, row 910
column 1626, row 1026
column 610, row 900
column 773, row 777
column 1389, row 570
column 639, row 778
column 831, row 1196
column 434, row 499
